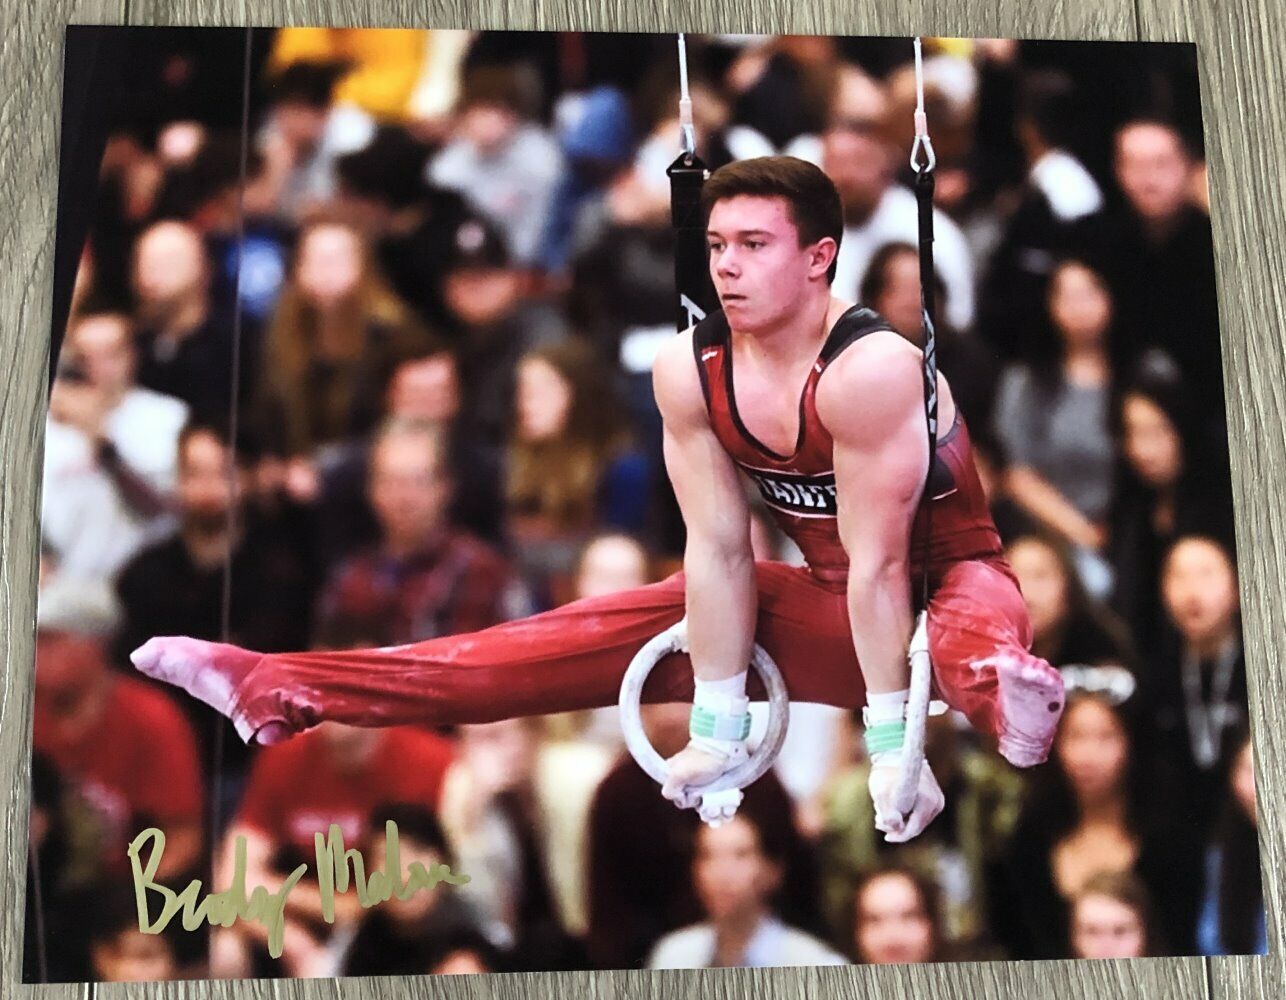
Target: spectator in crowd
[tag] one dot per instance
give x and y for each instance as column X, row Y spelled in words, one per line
column 597, row 143
column 571, row 464
column 497, row 822
column 464, row 952
column 1057, row 194
column 175, row 586
column 622, row 286
column 1068, row 626
column 382, row 67
column 983, row 798
column 495, row 324
column 736, row 869
column 992, row 463
column 246, row 243
column 125, row 747
column 1112, row 918
column 891, row 286
column 506, row 166
column 425, row 387
column 336, row 336
column 608, row 563
column 896, row 920
column 332, row 774
column 396, row 937
column 185, row 338
column 423, row 577
column 304, row 133
column 120, row 951
column 858, row 158
column 1052, row 418
column 1158, row 256
column 952, row 86
column 1233, row 921
column 640, row 854
column 779, row 89
column 1172, row 481
column 411, row 225
column 110, row 447
column 1197, row 684
column 1096, row 807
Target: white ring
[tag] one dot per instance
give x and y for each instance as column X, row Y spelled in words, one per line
column 675, row 640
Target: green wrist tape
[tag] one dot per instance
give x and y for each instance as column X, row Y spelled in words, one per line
column 885, row 736
column 717, row 725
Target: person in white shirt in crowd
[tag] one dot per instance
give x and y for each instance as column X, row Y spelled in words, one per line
column 858, row 157
column 736, row 870
column 504, row 164
column 110, row 452
column 1057, row 195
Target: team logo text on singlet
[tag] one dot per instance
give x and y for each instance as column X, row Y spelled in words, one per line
column 792, row 493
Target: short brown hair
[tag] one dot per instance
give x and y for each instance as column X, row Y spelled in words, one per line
column 815, row 205
column 1128, row 889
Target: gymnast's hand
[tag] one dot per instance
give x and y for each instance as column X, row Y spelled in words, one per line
column 886, row 772
column 693, row 767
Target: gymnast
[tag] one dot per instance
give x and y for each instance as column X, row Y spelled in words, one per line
column 820, row 403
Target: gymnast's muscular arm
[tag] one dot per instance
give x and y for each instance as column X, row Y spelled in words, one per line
column 871, row 400
column 717, row 560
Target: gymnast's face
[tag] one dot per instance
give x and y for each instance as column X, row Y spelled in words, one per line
column 759, row 269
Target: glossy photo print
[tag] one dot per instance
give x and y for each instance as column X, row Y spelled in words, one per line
column 527, row 501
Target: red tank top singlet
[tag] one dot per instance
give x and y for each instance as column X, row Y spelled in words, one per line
column 799, row 488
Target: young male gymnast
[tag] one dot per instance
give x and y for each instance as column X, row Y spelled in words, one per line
column 821, row 404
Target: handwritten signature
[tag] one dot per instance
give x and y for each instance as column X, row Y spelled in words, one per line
column 268, row 908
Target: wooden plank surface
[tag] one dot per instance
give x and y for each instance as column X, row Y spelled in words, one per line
column 1243, row 101
column 1240, row 44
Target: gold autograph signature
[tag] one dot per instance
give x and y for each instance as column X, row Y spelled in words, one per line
column 268, row 908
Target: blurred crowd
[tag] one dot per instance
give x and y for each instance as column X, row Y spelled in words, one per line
column 380, row 372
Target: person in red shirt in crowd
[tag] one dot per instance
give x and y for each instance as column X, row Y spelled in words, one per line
column 333, row 774
column 826, row 414
column 125, row 746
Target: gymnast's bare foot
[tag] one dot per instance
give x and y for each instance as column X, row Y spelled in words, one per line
column 209, row 671
column 1031, row 703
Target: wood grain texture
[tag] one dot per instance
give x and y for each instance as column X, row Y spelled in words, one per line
column 1243, row 102
column 1240, row 44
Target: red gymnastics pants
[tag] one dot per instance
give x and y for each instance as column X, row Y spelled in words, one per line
column 574, row 657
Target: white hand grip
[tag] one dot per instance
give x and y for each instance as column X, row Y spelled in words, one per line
column 917, row 711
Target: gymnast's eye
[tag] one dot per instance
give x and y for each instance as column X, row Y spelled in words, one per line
column 754, row 244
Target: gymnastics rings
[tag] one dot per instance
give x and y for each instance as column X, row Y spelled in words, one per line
column 675, row 640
